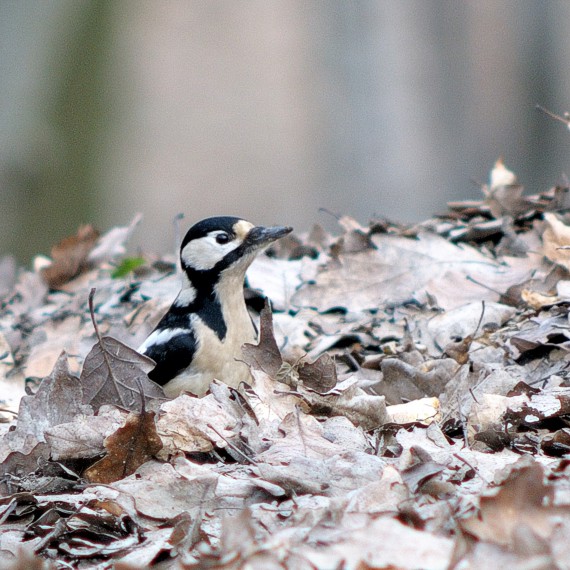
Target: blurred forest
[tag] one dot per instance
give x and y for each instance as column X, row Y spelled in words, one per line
column 269, row 109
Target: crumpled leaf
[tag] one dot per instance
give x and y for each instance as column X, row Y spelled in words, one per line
column 17, row 465
column 403, row 381
column 463, row 321
column 269, row 399
column 58, row 399
column 319, row 375
column 113, row 243
column 85, row 435
column 69, row 257
column 265, row 354
column 303, row 461
column 519, row 504
column 163, row 491
column 127, row 449
column 365, row 410
column 61, row 335
column 424, row 410
column 542, row 332
column 114, row 373
column 402, row 269
column 556, row 235
column 355, row 238
column 188, row 424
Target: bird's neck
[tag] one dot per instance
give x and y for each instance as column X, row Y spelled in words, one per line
column 215, row 303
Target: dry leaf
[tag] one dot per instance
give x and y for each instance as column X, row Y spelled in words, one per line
column 501, row 175
column 163, row 491
column 190, row 425
column 352, row 472
column 113, row 243
column 319, row 375
column 403, row 381
column 58, row 399
column 18, row 465
column 424, row 410
column 85, row 435
column 127, row 449
column 520, row 503
column 556, row 235
column 402, row 269
column 265, row 354
column 346, row 399
column 504, row 195
column 114, row 373
column 69, row 257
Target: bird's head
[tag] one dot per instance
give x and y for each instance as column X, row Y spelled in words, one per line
column 223, row 246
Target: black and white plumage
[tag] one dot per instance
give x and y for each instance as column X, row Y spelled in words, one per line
column 201, row 335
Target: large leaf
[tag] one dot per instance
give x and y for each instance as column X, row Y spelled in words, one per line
column 401, row 269
column 113, row 373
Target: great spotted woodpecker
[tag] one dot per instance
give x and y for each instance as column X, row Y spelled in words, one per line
column 201, row 335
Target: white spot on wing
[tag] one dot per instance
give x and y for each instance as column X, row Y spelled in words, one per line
column 160, row 337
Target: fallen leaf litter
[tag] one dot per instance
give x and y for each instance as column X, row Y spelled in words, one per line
column 410, row 409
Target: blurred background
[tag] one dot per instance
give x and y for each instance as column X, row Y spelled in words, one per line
column 269, row 109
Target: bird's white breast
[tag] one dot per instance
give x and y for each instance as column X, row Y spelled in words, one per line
column 215, row 358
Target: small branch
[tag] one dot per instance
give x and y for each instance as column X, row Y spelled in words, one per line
column 92, row 313
column 104, row 351
column 562, row 119
column 234, row 447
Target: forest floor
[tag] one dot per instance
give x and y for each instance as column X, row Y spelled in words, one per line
column 408, row 405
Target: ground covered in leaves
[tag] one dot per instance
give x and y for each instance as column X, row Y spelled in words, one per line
column 408, row 404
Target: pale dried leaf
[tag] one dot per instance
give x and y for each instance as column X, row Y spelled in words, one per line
column 58, row 399
column 85, row 435
column 114, row 373
column 113, row 243
column 556, row 235
column 189, row 424
column 265, row 354
column 520, row 501
column 402, row 269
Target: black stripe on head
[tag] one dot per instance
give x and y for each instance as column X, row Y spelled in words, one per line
column 204, row 227
column 205, row 280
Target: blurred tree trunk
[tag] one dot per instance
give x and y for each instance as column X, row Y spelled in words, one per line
column 268, row 109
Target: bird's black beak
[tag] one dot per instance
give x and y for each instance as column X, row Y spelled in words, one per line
column 260, row 236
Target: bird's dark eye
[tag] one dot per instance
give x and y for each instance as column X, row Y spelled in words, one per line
column 222, row 238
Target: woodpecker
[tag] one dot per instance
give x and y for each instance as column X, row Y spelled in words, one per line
column 201, row 335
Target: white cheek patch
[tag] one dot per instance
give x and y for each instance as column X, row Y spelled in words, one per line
column 204, row 253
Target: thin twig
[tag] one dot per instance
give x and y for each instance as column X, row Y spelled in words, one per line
column 234, row 447
column 563, row 119
column 92, row 313
column 457, row 456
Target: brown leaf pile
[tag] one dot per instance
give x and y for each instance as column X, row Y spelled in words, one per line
column 407, row 407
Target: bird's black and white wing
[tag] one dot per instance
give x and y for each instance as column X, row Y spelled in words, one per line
column 172, row 349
